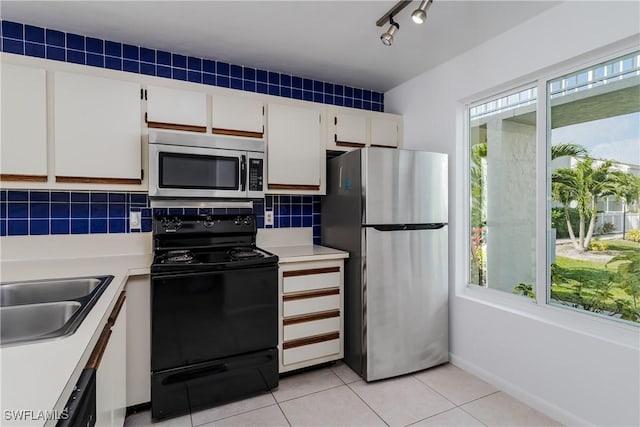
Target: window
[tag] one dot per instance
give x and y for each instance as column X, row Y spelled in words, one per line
column 502, row 143
column 593, row 191
column 594, row 138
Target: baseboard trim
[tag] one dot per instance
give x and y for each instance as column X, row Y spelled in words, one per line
column 561, row 415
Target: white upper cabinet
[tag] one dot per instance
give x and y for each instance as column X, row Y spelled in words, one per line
column 97, row 130
column 176, row 109
column 237, row 116
column 385, row 130
column 24, row 124
column 350, row 129
column 295, row 155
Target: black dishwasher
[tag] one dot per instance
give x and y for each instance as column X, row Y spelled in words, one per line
column 80, row 410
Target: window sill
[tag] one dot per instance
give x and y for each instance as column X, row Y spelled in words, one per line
column 612, row 331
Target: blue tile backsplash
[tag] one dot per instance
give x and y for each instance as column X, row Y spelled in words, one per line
column 51, row 44
column 37, row 212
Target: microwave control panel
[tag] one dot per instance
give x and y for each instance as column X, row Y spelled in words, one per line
column 255, row 174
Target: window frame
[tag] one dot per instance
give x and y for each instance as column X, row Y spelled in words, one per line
column 624, row 333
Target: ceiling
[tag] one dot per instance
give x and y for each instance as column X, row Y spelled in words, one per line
column 335, row 41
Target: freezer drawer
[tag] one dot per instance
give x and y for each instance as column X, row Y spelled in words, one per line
column 405, row 291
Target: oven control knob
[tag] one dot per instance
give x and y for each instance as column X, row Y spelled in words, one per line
column 247, row 220
column 238, row 221
column 208, row 222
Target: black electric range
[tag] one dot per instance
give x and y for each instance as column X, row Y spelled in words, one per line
column 214, row 306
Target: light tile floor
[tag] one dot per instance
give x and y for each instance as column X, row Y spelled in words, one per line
column 337, row 396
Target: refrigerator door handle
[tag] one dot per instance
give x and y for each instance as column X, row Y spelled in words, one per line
column 401, row 227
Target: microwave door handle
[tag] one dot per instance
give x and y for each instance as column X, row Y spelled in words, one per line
column 243, row 173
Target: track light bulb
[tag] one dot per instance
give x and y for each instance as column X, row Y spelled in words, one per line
column 420, row 14
column 387, row 37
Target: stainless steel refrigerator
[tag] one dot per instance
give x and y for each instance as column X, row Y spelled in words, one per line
column 388, row 209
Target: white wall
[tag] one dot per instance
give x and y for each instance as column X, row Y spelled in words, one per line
column 576, row 368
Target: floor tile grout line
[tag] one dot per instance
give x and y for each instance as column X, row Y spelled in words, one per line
column 363, row 401
column 285, row 415
column 239, row 413
column 231, row 416
column 431, row 416
column 309, row 394
column 435, row 391
column 471, row 415
column 481, row 397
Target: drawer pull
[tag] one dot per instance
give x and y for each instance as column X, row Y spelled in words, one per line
column 311, row 317
column 311, row 294
column 311, row 271
column 310, row 340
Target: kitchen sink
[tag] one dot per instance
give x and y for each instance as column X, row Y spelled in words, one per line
column 46, row 291
column 35, row 321
column 45, row 309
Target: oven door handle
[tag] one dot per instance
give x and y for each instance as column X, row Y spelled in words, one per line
column 243, row 173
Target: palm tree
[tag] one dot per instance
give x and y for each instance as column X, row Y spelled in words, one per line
column 585, row 184
column 566, row 149
column 562, row 184
column 627, row 190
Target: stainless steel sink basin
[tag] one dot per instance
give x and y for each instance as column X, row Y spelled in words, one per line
column 35, row 321
column 45, row 309
column 46, row 291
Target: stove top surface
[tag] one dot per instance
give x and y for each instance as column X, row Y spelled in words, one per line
column 206, row 242
column 225, row 257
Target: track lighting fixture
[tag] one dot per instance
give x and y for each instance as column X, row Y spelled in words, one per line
column 420, row 14
column 387, row 38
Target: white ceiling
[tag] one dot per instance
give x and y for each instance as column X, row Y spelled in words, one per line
column 335, row 41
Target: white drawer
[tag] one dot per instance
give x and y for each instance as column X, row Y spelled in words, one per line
column 306, row 280
column 311, row 351
column 314, row 327
column 297, row 307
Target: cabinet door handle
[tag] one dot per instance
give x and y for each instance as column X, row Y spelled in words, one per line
column 116, row 308
column 101, row 346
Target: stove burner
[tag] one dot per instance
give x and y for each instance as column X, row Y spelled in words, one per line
column 178, row 256
column 244, row 253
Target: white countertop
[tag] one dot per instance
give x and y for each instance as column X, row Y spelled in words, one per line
column 40, row 376
column 301, row 253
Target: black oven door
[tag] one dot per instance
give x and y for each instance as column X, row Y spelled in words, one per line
column 202, row 316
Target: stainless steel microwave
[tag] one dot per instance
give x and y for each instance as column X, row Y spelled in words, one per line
column 186, row 165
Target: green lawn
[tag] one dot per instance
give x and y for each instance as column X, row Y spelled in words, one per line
column 594, row 286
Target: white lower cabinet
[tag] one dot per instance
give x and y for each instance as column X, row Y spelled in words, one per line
column 109, row 360
column 311, row 313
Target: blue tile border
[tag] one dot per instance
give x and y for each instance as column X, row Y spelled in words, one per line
column 41, row 212
column 29, row 40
